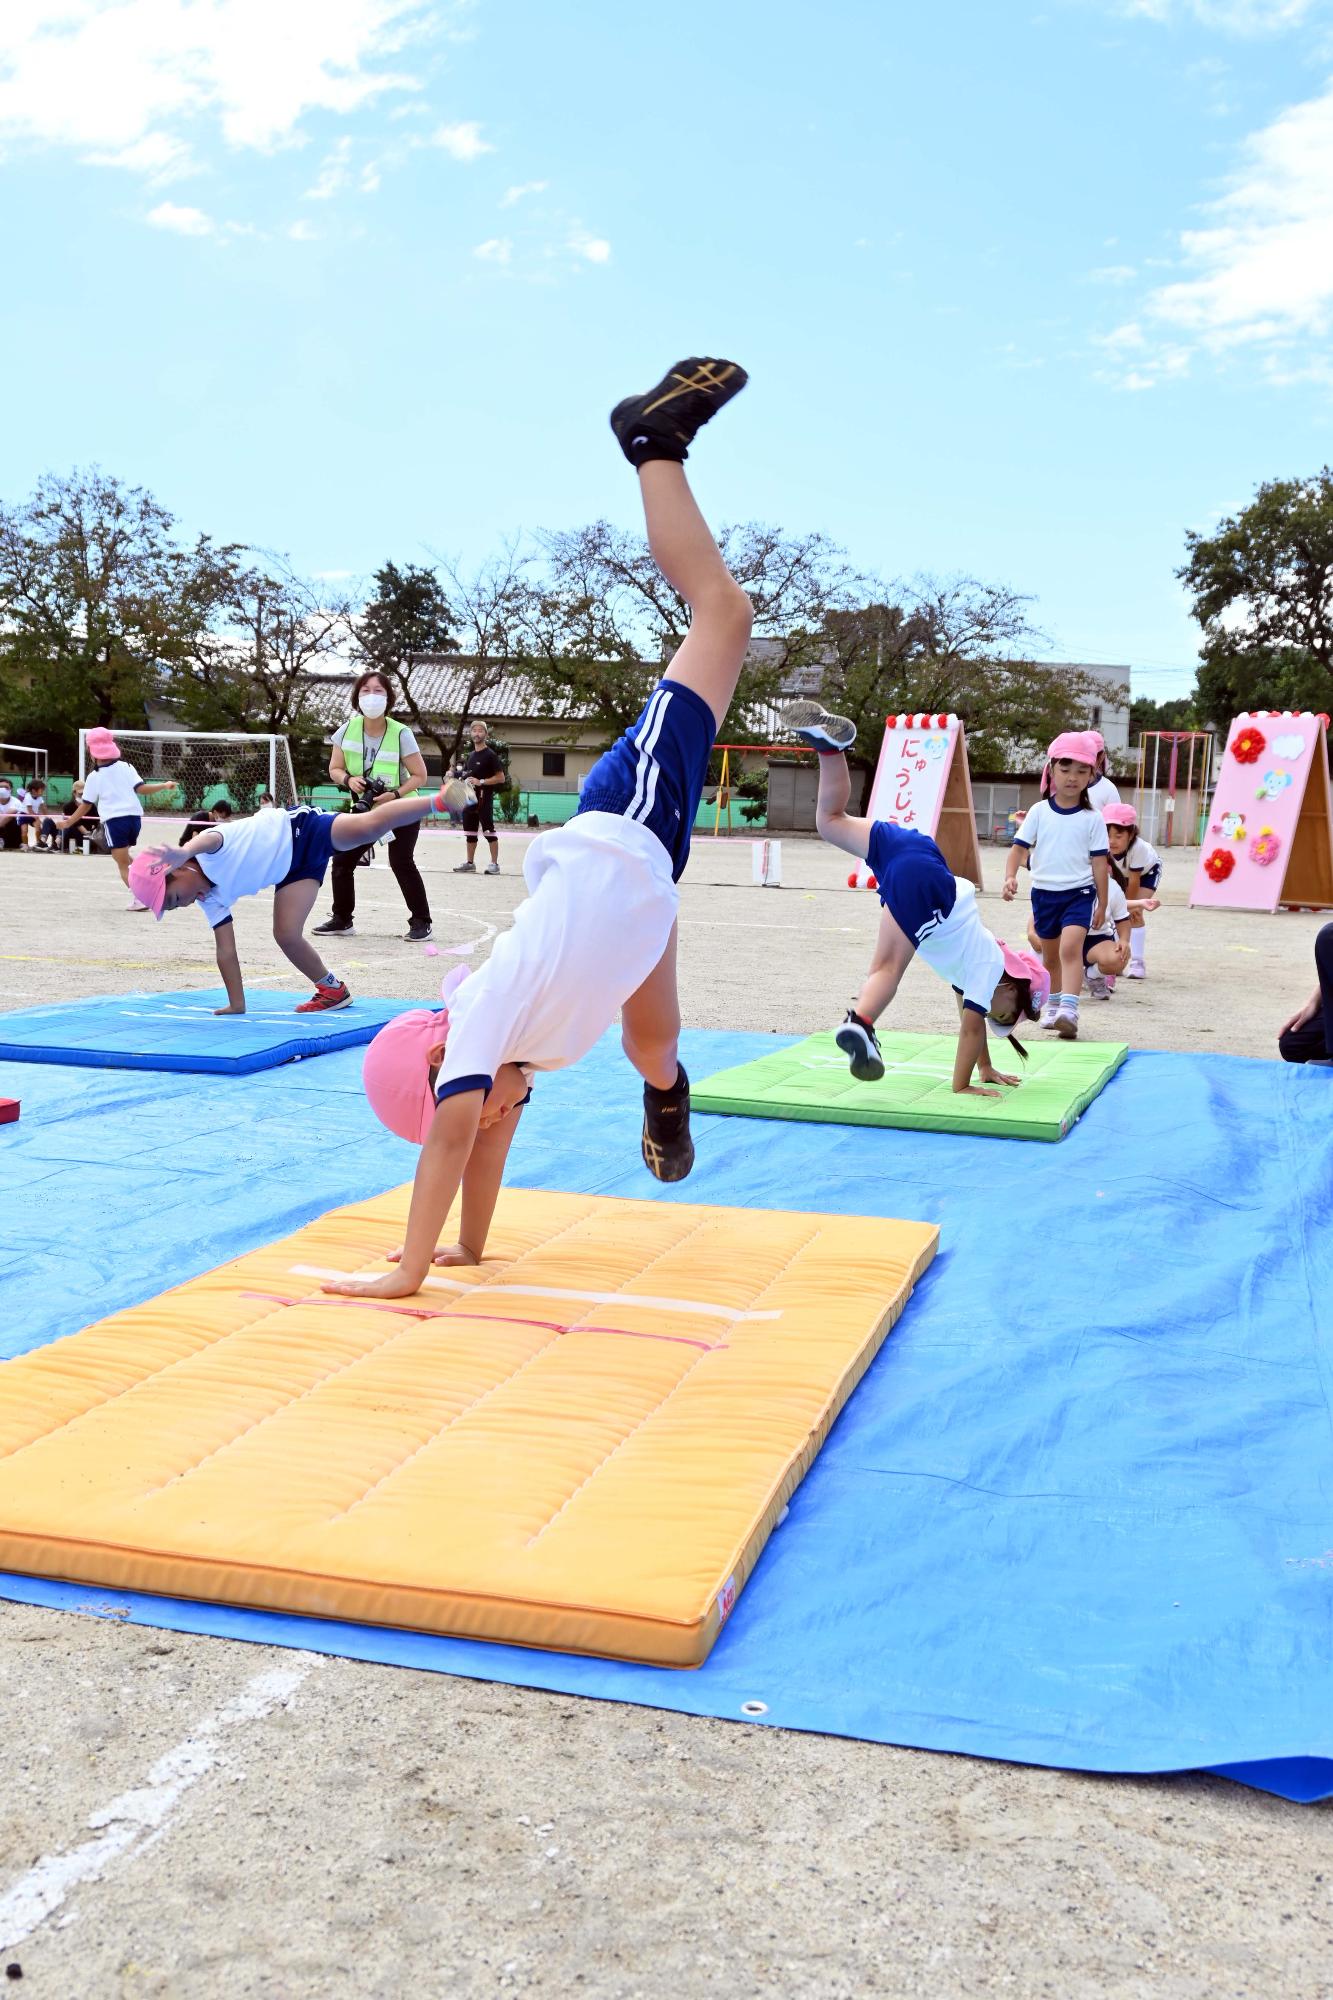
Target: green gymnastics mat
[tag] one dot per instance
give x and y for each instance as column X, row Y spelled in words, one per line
column 810, row 1080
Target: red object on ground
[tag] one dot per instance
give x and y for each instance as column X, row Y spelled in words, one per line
column 9, row 1110
column 851, row 880
column 871, row 883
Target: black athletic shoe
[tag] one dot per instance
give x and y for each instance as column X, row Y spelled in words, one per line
column 668, row 1150
column 814, row 725
column 665, row 422
column 416, row 934
column 334, row 927
column 861, row 1047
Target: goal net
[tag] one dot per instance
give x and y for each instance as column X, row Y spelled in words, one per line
column 204, row 768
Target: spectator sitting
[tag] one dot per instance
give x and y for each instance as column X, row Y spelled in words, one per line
column 32, row 805
column 1308, row 1035
column 9, row 814
column 58, row 825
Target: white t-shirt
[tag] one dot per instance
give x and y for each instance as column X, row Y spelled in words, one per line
column 1103, row 793
column 12, row 804
column 30, row 804
column 963, row 951
column 1062, row 840
column 595, row 924
column 1140, row 856
column 111, row 789
column 255, row 854
column 1117, row 911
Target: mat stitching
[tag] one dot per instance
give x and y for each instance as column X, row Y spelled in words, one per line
column 679, row 1383
column 457, row 1417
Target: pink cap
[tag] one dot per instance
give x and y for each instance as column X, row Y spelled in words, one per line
column 1082, row 745
column 148, row 881
column 396, row 1070
column 101, row 743
column 1026, row 965
column 1116, row 814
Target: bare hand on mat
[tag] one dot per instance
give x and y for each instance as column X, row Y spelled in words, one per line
column 989, row 1075
column 399, row 1284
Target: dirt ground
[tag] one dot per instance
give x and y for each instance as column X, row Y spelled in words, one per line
column 191, row 1817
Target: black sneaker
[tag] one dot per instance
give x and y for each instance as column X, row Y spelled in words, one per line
column 334, row 927
column 664, row 423
column 815, row 726
column 861, row 1047
column 417, row 933
column 668, row 1150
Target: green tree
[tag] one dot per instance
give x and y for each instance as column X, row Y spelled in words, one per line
column 1262, row 590
column 408, row 617
column 1181, row 713
column 260, row 636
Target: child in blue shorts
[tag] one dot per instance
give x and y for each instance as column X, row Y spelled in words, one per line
column 597, row 934
column 928, row 911
column 287, row 851
column 1066, row 842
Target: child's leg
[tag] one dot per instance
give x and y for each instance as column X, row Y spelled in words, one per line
column 894, row 952
column 1070, row 959
column 650, row 1023
column 360, row 829
column 683, row 548
column 292, row 905
column 121, row 857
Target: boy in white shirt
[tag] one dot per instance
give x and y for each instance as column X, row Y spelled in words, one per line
column 288, row 851
column 597, row 935
column 1066, row 842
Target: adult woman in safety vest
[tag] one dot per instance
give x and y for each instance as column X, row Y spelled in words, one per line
column 372, row 747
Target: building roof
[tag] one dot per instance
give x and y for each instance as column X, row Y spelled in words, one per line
column 441, row 686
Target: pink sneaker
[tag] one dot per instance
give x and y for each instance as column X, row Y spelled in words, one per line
column 1136, row 969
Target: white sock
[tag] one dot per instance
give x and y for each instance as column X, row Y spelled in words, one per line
column 1137, row 940
column 1069, row 1001
column 330, row 979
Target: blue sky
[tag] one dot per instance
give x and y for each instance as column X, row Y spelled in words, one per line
column 1024, row 291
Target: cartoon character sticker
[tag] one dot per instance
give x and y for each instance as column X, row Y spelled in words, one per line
column 1274, row 784
column 1231, row 826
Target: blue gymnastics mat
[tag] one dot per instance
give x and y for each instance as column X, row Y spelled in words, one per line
column 1080, row 1510
column 181, row 1031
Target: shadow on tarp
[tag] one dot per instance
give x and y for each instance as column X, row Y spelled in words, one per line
column 1079, row 1512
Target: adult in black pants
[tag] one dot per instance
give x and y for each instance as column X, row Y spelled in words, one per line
column 1308, row 1035
column 377, row 758
column 486, row 774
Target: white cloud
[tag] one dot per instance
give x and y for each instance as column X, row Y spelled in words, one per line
column 332, row 173
column 1259, row 274
column 157, row 156
column 495, row 250
column 302, row 232
column 370, row 178
column 513, row 194
column 595, row 248
column 183, row 221
column 1113, row 274
column 1232, row 17
column 461, row 142
column 114, row 74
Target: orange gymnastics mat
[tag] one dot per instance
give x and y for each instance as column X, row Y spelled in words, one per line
column 583, row 1444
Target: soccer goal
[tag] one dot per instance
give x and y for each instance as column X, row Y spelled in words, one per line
column 21, row 753
column 205, row 767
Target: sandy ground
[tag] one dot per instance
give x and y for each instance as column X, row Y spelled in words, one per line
column 189, row 1817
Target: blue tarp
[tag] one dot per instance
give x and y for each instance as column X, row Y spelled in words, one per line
column 180, row 1031
column 1078, row 1513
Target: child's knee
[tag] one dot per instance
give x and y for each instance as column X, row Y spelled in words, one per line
column 651, row 1048
column 727, row 610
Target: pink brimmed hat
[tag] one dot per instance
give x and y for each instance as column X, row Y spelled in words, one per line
column 101, row 743
column 396, row 1070
column 1116, row 814
column 1082, row 745
column 148, row 881
column 1022, row 965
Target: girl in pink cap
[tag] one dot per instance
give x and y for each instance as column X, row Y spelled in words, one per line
column 927, row 910
column 113, row 789
column 1137, row 867
column 1066, row 843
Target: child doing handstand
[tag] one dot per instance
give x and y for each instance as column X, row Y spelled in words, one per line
column 927, row 910
column 1066, row 841
column 1137, row 867
column 597, row 934
column 286, row 851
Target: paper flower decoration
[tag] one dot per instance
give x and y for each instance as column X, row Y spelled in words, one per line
column 1274, row 785
column 1219, row 865
column 1265, row 847
column 1232, row 826
column 1289, row 746
column 1249, row 746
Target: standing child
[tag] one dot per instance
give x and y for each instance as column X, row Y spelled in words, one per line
column 597, row 934
column 1137, row 867
column 115, row 789
column 1066, row 843
column 1102, row 791
column 287, row 851
column 927, row 910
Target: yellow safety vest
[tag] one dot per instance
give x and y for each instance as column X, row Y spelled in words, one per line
column 388, row 762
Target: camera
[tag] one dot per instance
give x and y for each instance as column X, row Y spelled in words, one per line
column 363, row 800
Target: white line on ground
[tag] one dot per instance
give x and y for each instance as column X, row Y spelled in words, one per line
column 706, row 1311
column 135, row 1817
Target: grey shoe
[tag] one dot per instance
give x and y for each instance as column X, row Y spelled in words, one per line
column 494, row 868
column 466, row 868
column 811, row 721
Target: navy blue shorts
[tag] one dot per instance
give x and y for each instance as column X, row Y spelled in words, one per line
column 1090, row 944
column 121, row 832
column 655, row 773
column 312, row 845
column 1053, row 910
column 1150, row 880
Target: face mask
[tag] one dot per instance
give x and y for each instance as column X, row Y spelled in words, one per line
column 373, row 706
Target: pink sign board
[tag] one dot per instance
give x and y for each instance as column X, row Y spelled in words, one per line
column 914, row 763
column 1251, row 827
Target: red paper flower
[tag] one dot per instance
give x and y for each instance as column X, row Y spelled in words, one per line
column 1219, row 865
column 1249, row 746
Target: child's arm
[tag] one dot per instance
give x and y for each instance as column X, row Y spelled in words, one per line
column 155, row 785
column 1144, row 902
column 481, row 1188
column 444, row 1158
column 972, row 1053
column 1304, row 1015
column 834, row 823
column 207, row 841
column 229, row 965
column 1101, row 875
column 1134, row 884
column 1017, row 852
